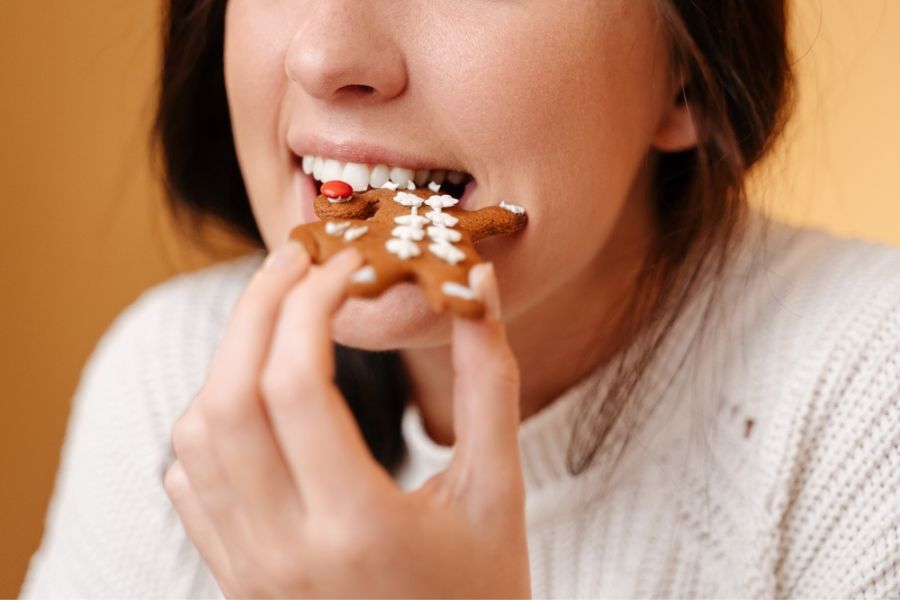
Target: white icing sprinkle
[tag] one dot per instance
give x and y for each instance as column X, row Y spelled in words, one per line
column 404, row 249
column 451, row 288
column 513, row 208
column 407, row 199
column 438, row 202
column 417, row 221
column 355, row 233
column 434, row 187
column 336, row 227
column 340, row 200
column 443, row 234
column 364, row 275
column 441, row 219
column 411, row 185
column 390, row 185
column 446, row 251
column 405, row 232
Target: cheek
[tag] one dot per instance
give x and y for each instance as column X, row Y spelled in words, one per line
column 254, row 66
column 255, row 43
column 563, row 127
column 576, row 112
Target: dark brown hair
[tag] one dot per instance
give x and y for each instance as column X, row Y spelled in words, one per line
column 733, row 58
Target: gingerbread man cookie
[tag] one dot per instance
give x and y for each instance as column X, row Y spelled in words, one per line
column 407, row 235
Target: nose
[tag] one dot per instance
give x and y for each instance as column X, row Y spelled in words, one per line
column 343, row 49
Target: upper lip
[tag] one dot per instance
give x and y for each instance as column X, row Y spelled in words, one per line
column 361, row 152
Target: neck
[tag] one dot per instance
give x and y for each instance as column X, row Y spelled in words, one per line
column 558, row 341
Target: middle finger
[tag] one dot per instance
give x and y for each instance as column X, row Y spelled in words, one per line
column 239, row 430
column 315, row 428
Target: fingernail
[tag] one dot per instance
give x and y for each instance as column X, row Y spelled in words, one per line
column 284, row 256
column 485, row 286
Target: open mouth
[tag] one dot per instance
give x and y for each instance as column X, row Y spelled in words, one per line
column 362, row 177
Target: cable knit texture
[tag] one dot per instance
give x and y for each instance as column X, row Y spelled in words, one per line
column 767, row 465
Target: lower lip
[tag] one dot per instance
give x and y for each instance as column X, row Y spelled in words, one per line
column 308, row 192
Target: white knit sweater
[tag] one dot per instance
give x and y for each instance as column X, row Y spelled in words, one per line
column 770, row 467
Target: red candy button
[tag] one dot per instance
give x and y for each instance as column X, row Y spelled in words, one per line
column 336, row 189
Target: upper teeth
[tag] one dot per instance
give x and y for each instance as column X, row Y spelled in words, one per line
column 361, row 176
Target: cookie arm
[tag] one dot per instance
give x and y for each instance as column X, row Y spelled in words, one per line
column 492, row 220
column 360, row 206
column 304, row 235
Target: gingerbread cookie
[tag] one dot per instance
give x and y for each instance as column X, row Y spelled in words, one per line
column 407, row 235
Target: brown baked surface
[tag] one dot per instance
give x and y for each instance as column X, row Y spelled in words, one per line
column 377, row 210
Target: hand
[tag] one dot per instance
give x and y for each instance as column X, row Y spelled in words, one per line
column 274, row 483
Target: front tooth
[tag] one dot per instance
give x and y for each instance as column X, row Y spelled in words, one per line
column 402, row 176
column 357, row 175
column 332, row 170
column 308, row 163
column 380, row 175
column 422, row 177
column 455, row 177
column 438, row 176
column 318, row 165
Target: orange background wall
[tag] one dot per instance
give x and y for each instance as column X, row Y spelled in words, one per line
column 83, row 230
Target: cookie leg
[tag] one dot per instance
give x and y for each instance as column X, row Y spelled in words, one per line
column 303, row 235
column 450, row 289
column 370, row 281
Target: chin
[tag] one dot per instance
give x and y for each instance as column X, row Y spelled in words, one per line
column 398, row 318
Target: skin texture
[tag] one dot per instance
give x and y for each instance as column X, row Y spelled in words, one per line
column 560, row 107
column 276, row 488
column 566, row 127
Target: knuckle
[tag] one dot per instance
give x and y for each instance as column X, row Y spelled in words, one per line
column 287, row 383
column 352, row 549
column 175, row 482
column 227, row 411
column 497, row 368
column 298, row 296
column 503, row 369
column 275, row 383
column 188, row 433
column 355, row 543
column 257, row 291
column 304, row 302
column 227, row 394
column 229, row 376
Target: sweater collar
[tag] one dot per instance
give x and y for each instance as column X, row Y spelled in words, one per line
column 544, row 437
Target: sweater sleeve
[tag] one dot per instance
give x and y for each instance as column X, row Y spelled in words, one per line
column 840, row 529
column 110, row 529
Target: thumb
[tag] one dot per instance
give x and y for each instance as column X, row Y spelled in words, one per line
column 485, row 399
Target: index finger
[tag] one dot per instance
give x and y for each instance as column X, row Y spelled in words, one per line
column 245, row 342
column 239, row 430
column 314, row 425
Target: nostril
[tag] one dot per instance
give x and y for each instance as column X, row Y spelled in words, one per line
column 362, row 90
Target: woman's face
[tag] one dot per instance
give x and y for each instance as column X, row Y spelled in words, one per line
column 550, row 105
